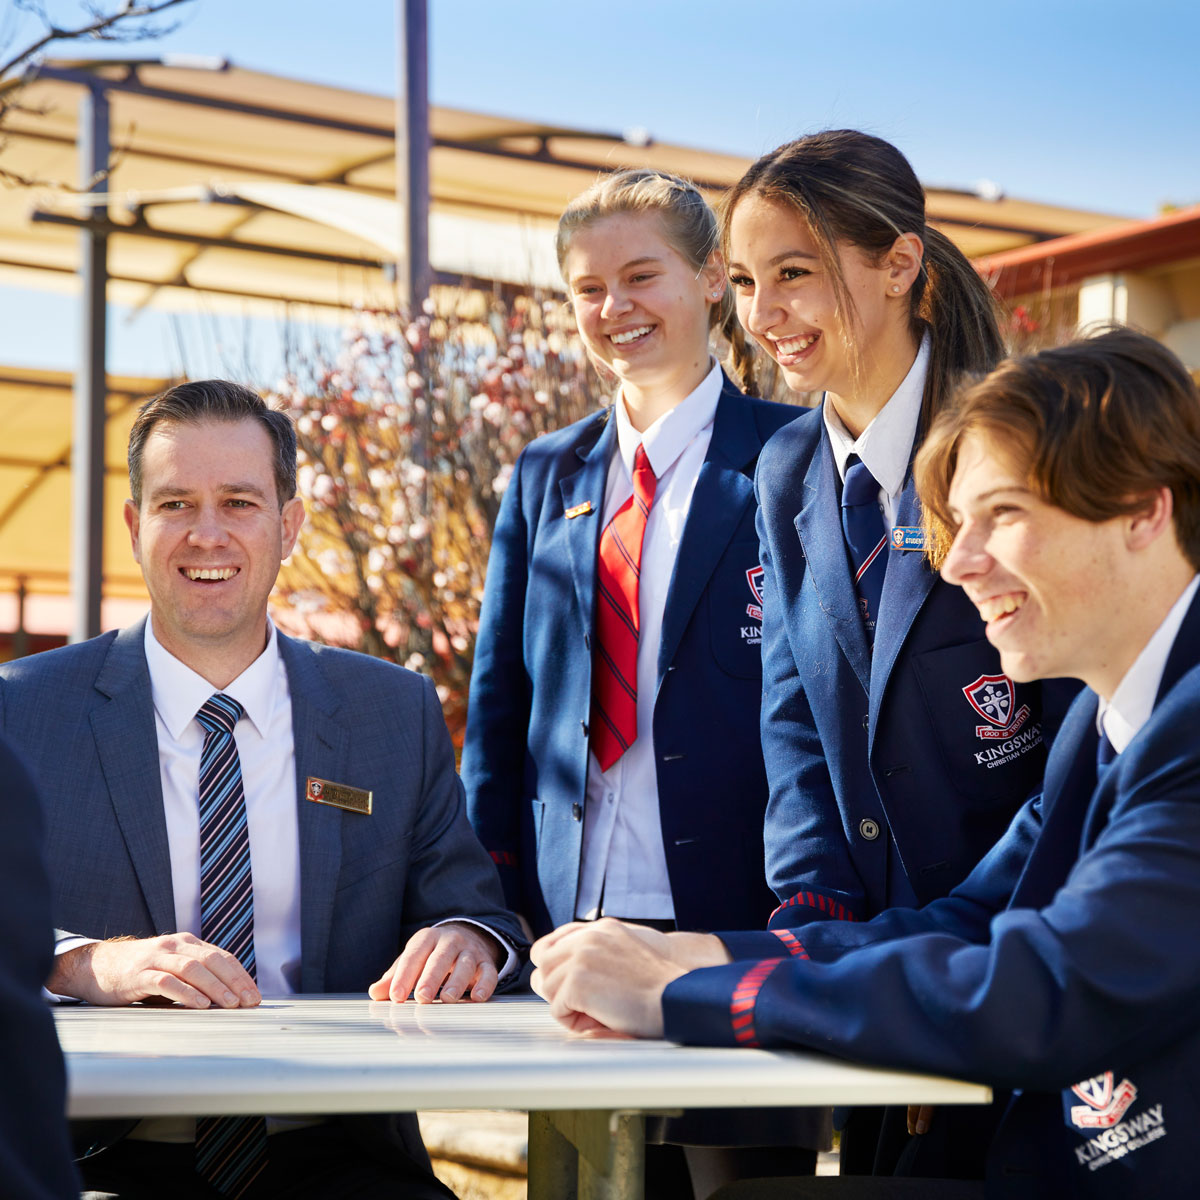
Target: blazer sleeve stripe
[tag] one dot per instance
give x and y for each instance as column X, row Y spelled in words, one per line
column 745, row 995
column 819, row 901
column 792, row 942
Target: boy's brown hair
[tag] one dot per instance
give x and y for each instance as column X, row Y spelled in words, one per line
column 1098, row 424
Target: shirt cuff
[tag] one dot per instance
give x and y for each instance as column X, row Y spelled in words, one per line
column 62, row 943
column 511, row 962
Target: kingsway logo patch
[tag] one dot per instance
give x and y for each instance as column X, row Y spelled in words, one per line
column 991, row 696
column 1120, row 1133
column 754, row 579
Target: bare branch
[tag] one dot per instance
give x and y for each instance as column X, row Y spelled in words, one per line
column 125, row 22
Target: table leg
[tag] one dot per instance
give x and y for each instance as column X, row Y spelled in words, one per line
column 604, row 1151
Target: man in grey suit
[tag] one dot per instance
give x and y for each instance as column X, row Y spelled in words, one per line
column 231, row 812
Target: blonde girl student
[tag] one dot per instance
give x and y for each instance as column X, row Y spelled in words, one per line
column 612, row 760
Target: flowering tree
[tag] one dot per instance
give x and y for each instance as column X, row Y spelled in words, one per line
column 407, row 440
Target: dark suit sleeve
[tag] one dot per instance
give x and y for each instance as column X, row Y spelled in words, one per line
column 35, row 1155
column 807, row 857
column 493, row 763
column 1108, row 969
column 449, row 873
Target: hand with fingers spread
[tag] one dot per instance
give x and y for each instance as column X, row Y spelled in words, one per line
column 608, row 977
column 176, row 967
column 451, row 961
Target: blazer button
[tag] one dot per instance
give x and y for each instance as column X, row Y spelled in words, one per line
column 577, row 811
column 868, row 828
column 866, row 720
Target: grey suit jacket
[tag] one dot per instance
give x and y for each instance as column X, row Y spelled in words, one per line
column 83, row 718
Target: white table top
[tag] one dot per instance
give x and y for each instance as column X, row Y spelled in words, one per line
column 322, row 1054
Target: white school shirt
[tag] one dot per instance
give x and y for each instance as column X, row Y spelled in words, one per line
column 623, row 871
column 1133, row 701
column 886, row 445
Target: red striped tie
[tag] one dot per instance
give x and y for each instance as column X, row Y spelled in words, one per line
column 614, row 663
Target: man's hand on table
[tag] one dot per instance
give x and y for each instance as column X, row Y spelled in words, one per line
column 175, row 967
column 453, row 961
column 608, row 977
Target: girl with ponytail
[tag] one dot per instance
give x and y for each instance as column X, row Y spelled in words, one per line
column 612, row 761
column 896, row 748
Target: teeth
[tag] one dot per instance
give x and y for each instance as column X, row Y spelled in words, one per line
column 794, row 345
column 195, row 573
column 999, row 606
column 631, row 334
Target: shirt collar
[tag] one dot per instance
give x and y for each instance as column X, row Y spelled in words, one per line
column 886, row 445
column 178, row 692
column 671, row 434
column 1133, row 701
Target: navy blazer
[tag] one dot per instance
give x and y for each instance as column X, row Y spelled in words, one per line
column 84, row 718
column 525, row 757
column 35, row 1153
column 891, row 772
column 1067, row 965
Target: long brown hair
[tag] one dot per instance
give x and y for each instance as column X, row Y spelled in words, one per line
column 851, row 187
column 688, row 224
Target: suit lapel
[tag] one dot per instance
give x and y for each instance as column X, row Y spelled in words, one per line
column 819, row 526
column 127, row 747
column 1185, row 651
column 322, row 749
column 587, row 486
column 908, row 581
column 719, row 502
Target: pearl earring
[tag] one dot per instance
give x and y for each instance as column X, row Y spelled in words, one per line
column 896, row 289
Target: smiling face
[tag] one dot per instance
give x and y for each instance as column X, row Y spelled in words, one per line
column 641, row 308
column 209, row 536
column 1052, row 587
column 787, row 303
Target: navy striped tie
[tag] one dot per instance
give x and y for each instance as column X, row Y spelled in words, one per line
column 866, row 540
column 231, row 1152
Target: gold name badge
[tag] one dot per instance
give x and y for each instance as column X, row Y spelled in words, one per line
column 579, row 510
column 340, row 795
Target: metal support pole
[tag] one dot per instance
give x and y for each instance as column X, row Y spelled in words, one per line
column 412, row 150
column 91, row 385
column 20, row 641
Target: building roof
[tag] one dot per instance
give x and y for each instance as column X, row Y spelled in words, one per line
column 1129, row 246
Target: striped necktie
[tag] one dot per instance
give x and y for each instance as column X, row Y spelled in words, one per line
column 231, row 1152
column 614, row 662
column 866, row 539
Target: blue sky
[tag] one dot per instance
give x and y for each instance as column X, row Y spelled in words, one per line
column 1090, row 104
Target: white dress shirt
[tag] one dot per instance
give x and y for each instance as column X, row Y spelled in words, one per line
column 1133, row 701
column 268, row 758
column 624, row 867
column 886, row 445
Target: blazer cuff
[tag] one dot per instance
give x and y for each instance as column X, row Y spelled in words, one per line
column 715, row 1006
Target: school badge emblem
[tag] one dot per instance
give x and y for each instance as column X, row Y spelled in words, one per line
column 754, row 579
column 991, row 696
column 1103, row 1104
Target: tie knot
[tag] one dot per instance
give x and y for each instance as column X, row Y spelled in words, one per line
column 644, row 479
column 860, row 486
column 219, row 714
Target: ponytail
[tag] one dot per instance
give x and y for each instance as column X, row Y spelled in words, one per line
column 961, row 313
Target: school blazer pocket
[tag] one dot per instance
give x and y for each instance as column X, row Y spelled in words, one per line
column 988, row 728
column 378, row 858
column 735, row 611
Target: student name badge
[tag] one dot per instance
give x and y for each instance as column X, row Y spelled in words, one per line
column 339, row 795
column 579, row 510
column 908, row 537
